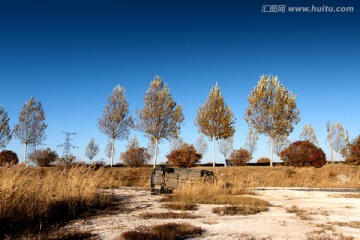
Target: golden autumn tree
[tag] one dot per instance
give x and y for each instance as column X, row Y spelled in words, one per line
column 116, row 121
column 161, row 117
column 272, row 110
column 31, row 126
column 214, row 118
column 337, row 137
column 5, row 132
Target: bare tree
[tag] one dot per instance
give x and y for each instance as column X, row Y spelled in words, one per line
column 280, row 143
column 116, row 121
column 132, row 143
column 201, row 145
column 161, row 117
column 92, row 149
column 226, row 146
column 251, row 141
column 272, row 110
column 110, row 149
column 31, row 126
column 5, row 132
column 214, row 118
column 176, row 143
column 308, row 134
column 337, row 137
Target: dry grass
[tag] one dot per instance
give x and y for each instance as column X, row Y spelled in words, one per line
column 234, row 180
column 125, row 177
column 215, row 193
column 212, row 193
column 36, row 197
column 349, row 195
column 353, row 224
column 325, row 236
column 301, row 213
column 168, row 231
column 58, row 234
column 329, row 176
column 180, row 206
column 167, row 215
column 239, row 210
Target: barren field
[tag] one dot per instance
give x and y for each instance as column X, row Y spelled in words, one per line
column 294, row 214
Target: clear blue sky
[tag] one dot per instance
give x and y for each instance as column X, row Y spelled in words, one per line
column 70, row 54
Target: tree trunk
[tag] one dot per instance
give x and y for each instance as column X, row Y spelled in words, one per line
column 214, row 151
column 331, row 150
column 155, row 155
column 25, row 153
column 112, row 151
column 271, row 150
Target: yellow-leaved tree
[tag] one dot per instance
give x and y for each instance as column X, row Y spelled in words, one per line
column 272, row 110
column 214, row 118
column 31, row 127
column 161, row 117
column 116, row 121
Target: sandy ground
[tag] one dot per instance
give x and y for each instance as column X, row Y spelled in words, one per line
column 322, row 210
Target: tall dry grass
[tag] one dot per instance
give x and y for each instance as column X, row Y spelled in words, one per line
column 35, row 197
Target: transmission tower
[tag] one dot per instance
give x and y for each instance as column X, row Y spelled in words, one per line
column 67, row 145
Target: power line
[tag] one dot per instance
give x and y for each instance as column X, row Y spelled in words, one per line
column 67, row 145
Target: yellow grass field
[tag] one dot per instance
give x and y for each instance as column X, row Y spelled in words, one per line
column 34, row 197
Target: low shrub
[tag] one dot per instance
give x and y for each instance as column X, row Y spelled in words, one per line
column 239, row 210
column 263, row 160
column 184, row 206
column 240, row 157
column 43, row 158
column 167, row 231
column 135, row 157
column 66, row 161
column 185, row 156
column 167, row 215
column 303, row 153
column 8, row 157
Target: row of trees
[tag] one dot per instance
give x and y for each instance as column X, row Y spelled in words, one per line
column 272, row 111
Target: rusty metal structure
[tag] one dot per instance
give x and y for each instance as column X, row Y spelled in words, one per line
column 165, row 179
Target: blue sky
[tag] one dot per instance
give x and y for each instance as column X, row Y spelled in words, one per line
column 71, row 54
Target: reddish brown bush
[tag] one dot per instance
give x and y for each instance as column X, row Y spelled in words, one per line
column 43, row 158
column 303, row 153
column 351, row 152
column 263, row 160
column 186, row 156
column 8, row 157
column 240, row 157
column 135, row 157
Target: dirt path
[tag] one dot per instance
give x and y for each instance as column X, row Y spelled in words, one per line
column 294, row 215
